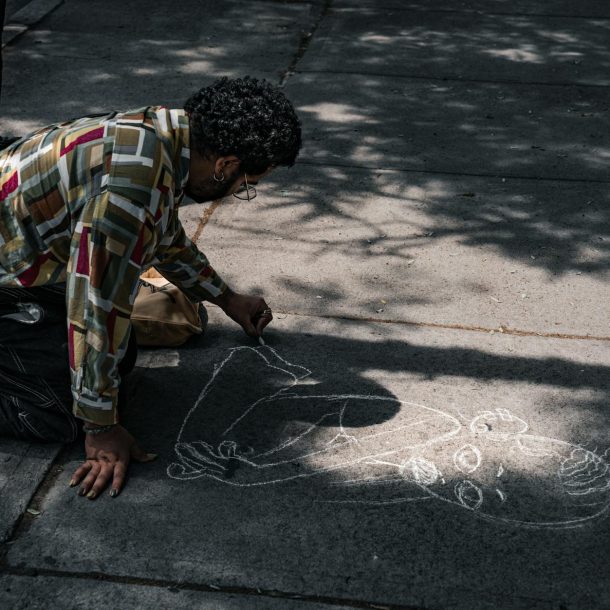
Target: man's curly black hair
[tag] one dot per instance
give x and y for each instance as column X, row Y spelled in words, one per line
column 248, row 118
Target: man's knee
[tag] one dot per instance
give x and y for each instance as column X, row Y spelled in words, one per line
column 28, row 422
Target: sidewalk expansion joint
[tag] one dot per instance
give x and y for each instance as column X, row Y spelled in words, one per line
column 205, row 218
column 453, row 79
column 439, row 172
column 34, row 506
column 177, row 586
column 305, row 40
column 28, row 16
column 479, row 12
column 501, row 330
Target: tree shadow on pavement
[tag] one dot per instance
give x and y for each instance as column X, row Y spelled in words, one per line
column 461, row 460
column 419, row 119
column 500, row 123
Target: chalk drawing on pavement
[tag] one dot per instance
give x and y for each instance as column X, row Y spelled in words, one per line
column 259, row 421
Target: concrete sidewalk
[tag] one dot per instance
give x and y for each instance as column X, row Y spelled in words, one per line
column 428, row 426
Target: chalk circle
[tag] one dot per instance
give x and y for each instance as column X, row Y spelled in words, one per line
column 498, row 425
column 468, row 494
column 467, row 458
column 420, row 470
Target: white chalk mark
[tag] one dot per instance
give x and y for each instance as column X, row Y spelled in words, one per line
column 467, row 458
column 295, row 379
column 469, row 495
column 504, row 414
column 292, row 441
column 420, row 470
column 368, row 481
column 219, row 367
column 462, row 416
column 376, row 502
column 373, row 463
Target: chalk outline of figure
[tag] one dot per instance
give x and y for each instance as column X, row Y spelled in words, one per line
column 583, row 473
column 201, row 459
column 226, row 449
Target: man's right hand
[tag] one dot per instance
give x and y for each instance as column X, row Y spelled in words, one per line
column 107, row 459
column 250, row 312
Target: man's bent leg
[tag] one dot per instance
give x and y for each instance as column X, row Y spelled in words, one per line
column 35, row 384
column 35, row 395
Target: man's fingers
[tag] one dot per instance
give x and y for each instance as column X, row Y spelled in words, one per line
column 251, row 313
column 250, row 329
column 246, row 320
column 89, row 479
column 262, row 322
column 101, row 481
column 120, row 472
column 263, row 317
column 79, row 473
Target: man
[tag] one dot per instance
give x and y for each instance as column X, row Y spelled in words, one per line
column 85, row 207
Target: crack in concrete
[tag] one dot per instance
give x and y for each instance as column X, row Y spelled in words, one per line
column 26, row 18
column 304, row 42
column 501, row 330
column 467, row 11
column 454, row 79
column 176, row 586
column 56, row 467
column 205, row 218
column 438, row 172
column 26, row 520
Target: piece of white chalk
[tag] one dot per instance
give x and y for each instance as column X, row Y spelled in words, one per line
column 261, row 341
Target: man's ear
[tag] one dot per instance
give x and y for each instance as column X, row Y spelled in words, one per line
column 227, row 164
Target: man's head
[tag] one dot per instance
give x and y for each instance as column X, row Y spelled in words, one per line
column 238, row 127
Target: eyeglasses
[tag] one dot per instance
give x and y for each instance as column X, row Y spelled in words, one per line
column 246, row 191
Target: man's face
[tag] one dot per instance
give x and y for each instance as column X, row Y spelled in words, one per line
column 202, row 186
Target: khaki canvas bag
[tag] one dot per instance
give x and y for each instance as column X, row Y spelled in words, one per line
column 162, row 315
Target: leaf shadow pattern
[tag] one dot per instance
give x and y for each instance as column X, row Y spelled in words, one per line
column 491, row 128
column 436, row 127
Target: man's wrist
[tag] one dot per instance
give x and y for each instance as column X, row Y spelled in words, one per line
column 90, row 428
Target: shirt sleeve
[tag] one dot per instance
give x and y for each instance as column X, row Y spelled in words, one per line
column 183, row 264
column 107, row 250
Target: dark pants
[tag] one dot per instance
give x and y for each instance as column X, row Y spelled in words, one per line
column 35, row 394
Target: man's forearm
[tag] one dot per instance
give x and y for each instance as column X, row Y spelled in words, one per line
column 222, row 299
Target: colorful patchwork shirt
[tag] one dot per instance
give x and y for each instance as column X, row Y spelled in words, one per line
column 93, row 203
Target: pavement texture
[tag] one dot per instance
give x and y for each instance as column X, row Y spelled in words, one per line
column 427, row 426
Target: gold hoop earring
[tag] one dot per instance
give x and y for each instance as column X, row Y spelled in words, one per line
column 221, row 179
